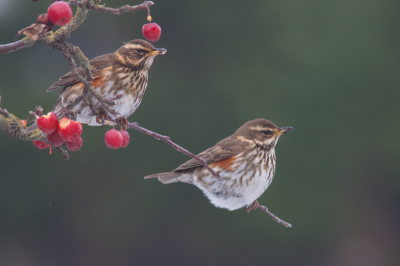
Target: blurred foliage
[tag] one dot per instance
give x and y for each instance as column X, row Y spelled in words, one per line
column 330, row 69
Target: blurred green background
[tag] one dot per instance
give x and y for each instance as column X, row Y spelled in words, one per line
column 330, row 69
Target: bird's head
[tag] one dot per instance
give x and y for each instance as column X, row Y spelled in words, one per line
column 138, row 54
column 261, row 132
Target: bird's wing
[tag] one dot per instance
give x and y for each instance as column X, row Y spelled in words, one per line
column 97, row 64
column 223, row 150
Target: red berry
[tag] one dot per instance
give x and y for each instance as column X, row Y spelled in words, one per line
column 59, row 13
column 68, row 129
column 55, row 139
column 125, row 138
column 113, row 139
column 40, row 144
column 48, row 123
column 74, row 145
column 151, row 31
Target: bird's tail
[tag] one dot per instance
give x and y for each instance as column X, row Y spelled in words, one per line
column 166, row 178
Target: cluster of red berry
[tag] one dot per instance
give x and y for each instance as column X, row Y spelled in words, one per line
column 69, row 132
column 59, row 132
column 115, row 139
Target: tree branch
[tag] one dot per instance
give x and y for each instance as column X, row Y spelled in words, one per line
column 174, row 145
column 115, row 11
column 13, row 126
column 65, row 32
column 15, row 46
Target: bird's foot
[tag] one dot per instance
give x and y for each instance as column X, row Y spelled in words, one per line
column 252, row 206
column 255, row 205
column 122, row 122
column 102, row 117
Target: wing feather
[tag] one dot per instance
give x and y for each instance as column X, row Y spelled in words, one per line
column 97, row 64
column 223, row 150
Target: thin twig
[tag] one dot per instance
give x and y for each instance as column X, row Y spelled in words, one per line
column 15, row 46
column 63, row 152
column 265, row 209
column 174, row 145
column 115, row 11
column 255, row 205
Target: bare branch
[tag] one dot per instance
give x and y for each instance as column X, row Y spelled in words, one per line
column 15, row 46
column 63, row 152
column 115, row 11
column 255, row 205
column 174, row 145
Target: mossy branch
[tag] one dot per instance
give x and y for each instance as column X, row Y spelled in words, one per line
column 14, row 127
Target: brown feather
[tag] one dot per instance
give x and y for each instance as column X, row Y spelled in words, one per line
column 223, row 150
column 97, row 64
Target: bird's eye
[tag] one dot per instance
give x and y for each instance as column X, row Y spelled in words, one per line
column 267, row 132
column 139, row 50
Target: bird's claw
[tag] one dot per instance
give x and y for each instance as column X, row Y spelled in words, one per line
column 252, row 206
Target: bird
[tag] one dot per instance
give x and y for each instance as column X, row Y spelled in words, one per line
column 245, row 162
column 121, row 76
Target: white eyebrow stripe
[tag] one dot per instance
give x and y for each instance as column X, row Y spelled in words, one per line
column 246, row 140
column 260, row 128
column 134, row 46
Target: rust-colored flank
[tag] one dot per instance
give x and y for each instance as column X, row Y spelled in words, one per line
column 225, row 164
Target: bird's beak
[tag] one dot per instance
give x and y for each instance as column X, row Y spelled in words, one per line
column 158, row 51
column 284, row 130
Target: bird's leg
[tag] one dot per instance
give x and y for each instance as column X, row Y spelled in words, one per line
column 252, row 206
column 101, row 117
column 123, row 122
column 107, row 108
column 255, row 205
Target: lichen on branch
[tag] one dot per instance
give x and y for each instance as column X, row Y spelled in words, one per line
column 14, row 127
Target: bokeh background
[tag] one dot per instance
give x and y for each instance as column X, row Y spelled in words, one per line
column 330, row 69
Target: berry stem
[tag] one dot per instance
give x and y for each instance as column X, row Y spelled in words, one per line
column 149, row 18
